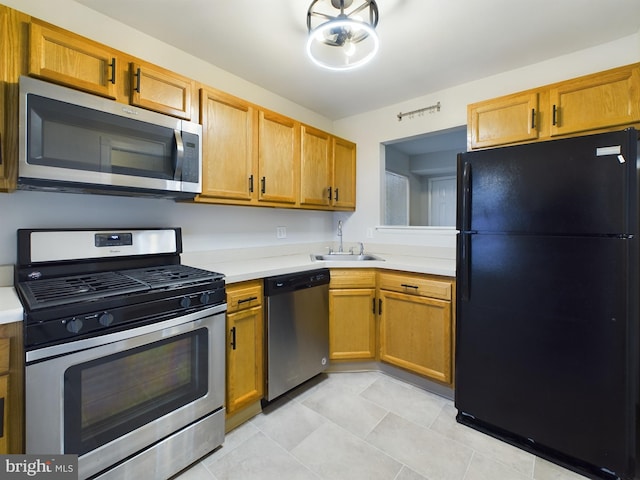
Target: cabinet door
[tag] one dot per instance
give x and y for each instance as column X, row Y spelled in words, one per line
column 157, row 89
column 279, row 152
column 71, row 60
column 4, row 411
column 352, row 332
column 503, row 120
column 415, row 333
column 315, row 167
column 245, row 378
column 596, row 101
column 344, row 174
column 228, row 147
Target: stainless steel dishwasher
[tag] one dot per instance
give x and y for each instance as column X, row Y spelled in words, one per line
column 297, row 329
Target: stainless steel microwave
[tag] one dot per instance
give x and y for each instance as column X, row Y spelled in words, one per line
column 77, row 142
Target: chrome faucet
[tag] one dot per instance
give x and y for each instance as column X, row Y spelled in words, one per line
column 340, row 235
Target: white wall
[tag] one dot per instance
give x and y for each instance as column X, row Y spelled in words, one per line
column 371, row 129
column 214, row 227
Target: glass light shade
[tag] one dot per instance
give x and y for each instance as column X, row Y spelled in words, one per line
column 342, row 44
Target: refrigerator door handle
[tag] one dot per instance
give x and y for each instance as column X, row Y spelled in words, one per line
column 465, row 266
column 466, row 197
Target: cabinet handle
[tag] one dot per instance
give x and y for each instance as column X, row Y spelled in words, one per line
column 263, row 182
column 1, row 417
column 373, row 301
column 554, row 120
column 379, row 306
column 233, row 338
column 137, row 75
column 245, row 300
column 336, row 198
column 533, row 118
column 251, row 184
column 113, row 70
column 409, row 286
column 330, row 192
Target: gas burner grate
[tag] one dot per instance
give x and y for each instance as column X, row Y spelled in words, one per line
column 64, row 290
column 170, row 275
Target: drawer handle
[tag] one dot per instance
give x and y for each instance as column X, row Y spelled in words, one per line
column 233, row 338
column 409, row 286
column 245, row 300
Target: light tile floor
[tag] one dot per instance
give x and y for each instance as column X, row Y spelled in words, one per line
column 368, row 426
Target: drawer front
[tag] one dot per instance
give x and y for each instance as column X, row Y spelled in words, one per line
column 416, row 285
column 244, row 295
column 352, row 278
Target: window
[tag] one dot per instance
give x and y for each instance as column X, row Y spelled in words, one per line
column 396, row 210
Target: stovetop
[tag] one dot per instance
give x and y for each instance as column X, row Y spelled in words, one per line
column 82, row 283
column 65, row 290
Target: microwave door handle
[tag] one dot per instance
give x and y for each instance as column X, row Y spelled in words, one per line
column 177, row 176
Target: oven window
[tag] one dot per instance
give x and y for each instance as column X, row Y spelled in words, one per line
column 111, row 396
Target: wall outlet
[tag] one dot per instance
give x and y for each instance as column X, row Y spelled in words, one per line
column 281, row 232
column 369, row 232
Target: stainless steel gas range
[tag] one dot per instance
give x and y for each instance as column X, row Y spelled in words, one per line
column 125, row 350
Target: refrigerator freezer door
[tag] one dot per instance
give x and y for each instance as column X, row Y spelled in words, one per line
column 576, row 186
column 543, row 342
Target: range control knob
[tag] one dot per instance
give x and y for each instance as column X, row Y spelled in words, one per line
column 106, row 319
column 205, row 298
column 74, row 325
column 185, row 302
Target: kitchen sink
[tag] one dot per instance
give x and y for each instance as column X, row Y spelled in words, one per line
column 350, row 257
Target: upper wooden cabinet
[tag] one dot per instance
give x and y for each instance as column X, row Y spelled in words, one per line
column 13, row 55
column 157, row 89
column 278, row 158
column 506, row 120
column 608, row 99
column 68, row 59
column 316, row 167
column 74, row 61
column 328, row 171
column 228, row 146
column 598, row 102
column 250, row 155
column 344, row 174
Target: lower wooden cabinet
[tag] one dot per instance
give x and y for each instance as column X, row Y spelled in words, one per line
column 404, row 319
column 245, row 340
column 416, row 323
column 11, row 389
column 415, row 334
column 352, row 314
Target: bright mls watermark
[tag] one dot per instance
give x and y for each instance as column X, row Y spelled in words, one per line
column 49, row 467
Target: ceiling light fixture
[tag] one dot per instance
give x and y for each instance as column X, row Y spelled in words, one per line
column 342, row 35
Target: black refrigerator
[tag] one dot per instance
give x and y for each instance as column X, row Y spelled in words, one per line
column 547, row 299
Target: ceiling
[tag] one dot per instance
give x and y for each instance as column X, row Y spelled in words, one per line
column 425, row 45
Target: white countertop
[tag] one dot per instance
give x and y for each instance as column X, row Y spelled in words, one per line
column 238, row 270
column 10, row 306
column 250, row 264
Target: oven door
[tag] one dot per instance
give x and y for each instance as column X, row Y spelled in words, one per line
column 117, row 398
